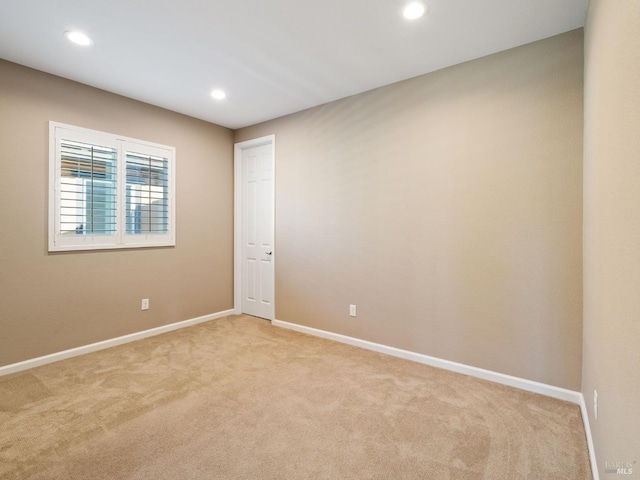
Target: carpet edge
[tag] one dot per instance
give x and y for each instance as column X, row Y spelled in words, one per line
column 112, row 342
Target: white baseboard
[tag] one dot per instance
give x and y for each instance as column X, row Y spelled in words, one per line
column 94, row 347
column 587, row 429
column 528, row 385
column 517, row 382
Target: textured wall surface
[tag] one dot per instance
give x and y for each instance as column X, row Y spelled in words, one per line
column 52, row 302
column 448, row 207
column 612, row 230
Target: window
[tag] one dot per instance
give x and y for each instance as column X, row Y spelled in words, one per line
column 108, row 191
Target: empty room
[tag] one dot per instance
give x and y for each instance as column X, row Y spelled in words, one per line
column 295, row 239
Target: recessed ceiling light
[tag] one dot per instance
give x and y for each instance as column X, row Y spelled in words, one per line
column 218, row 94
column 414, row 10
column 78, row 38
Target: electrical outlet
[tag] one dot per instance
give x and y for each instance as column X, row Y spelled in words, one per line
column 595, row 404
column 352, row 310
column 145, row 304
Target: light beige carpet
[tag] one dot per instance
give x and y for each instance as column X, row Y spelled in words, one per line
column 237, row 398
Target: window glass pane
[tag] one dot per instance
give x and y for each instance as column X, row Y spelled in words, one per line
column 147, row 194
column 87, row 189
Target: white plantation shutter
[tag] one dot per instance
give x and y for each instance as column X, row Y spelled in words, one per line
column 108, row 191
column 88, row 175
column 147, row 194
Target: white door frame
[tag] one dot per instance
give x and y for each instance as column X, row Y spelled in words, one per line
column 237, row 217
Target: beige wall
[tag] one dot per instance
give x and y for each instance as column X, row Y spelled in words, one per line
column 52, row 302
column 612, row 229
column 448, row 207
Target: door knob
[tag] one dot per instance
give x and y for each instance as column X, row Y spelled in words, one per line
column 269, row 253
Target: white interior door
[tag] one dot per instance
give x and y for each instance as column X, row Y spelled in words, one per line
column 257, row 235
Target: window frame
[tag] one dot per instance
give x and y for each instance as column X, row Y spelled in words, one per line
column 58, row 242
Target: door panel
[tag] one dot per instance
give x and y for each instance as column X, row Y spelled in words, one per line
column 257, row 231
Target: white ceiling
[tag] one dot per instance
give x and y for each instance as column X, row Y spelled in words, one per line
column 272, row 57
